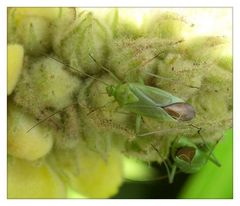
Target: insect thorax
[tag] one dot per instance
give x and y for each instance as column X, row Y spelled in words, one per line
column 122, row 94
column 111, row 90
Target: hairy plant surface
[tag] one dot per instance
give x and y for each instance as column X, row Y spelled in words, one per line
column 65, row 130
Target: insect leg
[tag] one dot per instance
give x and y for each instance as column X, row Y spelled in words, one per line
column 171, row 173
column 211, row 155
column 138, row 123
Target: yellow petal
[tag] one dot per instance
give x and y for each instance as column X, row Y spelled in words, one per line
column 29, row 180
column 88, row 173
column 15, row 64
column 49, row 13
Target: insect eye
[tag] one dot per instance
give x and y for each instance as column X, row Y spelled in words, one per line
column 180, row 111
column 110, row 90
column 186, row 153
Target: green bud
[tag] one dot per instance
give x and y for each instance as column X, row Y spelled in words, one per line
column 179, row 76
column 129, row 59
column 69, row 132
column 219, row 81
column 102, row 122
column 123, row 24
column 35, row 34
column 226, row 62
column 46, row 84
column 86, row 35
column 12, row 36
column 210, row 105
column 47, row 88
column 224, row 57
column 214, row 113
column 204, row 48
column 165, row 25
column 65, row 18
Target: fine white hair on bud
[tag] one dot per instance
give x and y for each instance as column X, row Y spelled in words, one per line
column 87, row 87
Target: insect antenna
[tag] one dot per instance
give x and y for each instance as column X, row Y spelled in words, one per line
column 74, row 69
column 170, row 79
column 163, row 131
column 155, row 56
column 105, row 68
column 48, row 117
column 211, row 155
column 170, row 173
column 145, row 63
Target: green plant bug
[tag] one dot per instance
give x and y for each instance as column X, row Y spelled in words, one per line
column 148, row 101
column 151, row 102
column 188, row 157
column 144, row 100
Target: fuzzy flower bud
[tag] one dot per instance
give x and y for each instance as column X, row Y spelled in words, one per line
column 85, row 36
column 165, row 25
column 26, row 145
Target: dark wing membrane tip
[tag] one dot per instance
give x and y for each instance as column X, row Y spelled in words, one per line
column 186, row 153
column 180, row 111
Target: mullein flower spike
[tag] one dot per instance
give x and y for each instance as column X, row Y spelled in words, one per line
column 85, row 89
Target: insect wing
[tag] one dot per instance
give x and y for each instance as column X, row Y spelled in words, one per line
column 150, row 102
column 158, row 96
column 196, row 162
column 146, row 105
